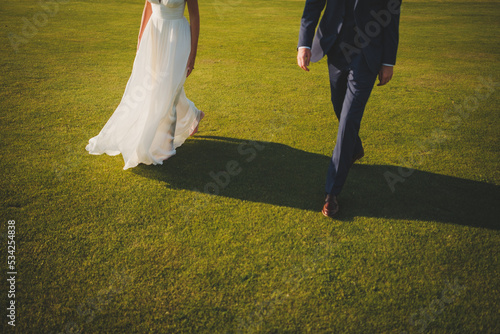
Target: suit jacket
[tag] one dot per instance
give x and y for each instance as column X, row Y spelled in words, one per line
column 377, row 23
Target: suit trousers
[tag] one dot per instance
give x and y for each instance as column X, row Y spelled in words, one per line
column 351, row 85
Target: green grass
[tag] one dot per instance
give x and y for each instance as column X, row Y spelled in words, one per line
column 102, row 250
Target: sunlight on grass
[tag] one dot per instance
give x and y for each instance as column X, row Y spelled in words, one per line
column 227, row 236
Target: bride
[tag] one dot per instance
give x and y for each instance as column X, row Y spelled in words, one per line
column 154, row 116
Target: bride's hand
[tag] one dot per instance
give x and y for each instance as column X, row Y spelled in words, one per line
column 190, row 64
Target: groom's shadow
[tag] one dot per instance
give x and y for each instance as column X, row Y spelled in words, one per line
column 281, row 175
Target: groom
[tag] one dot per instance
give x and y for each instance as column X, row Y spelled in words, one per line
column 360, row 39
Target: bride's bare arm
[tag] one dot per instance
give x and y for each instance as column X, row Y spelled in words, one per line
column 146, row 14
column 194, row 22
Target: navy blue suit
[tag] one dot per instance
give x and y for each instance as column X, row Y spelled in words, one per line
column 358, row 36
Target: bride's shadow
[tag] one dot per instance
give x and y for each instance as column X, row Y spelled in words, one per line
column 281, row 175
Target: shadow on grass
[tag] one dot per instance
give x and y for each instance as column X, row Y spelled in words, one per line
column 281, row 175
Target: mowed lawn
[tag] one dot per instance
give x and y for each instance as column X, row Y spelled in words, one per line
column 227, row 236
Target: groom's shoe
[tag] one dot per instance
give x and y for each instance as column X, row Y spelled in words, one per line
column 331, row 206
column 358, row 156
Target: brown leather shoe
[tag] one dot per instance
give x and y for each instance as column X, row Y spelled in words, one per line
column 331, row 206
column 358, row 156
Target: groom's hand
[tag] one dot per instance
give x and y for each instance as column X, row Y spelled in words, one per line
column 304, row 58
column 385, row 75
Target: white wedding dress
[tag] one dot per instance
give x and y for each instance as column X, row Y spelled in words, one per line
column 154, row 116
